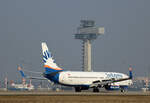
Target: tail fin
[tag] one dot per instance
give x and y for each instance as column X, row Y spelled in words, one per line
column 21, row 72
column 130, row 72
column 49, row 64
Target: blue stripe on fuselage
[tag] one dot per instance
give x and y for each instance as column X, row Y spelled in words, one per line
column 112, row 87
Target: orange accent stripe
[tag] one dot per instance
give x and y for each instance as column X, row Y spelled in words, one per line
column 47, row 66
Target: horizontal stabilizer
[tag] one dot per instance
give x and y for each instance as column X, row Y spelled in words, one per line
column 29, row 77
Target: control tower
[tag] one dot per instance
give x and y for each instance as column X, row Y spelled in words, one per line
column 87, row 32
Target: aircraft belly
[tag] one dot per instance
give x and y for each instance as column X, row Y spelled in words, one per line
column 74, row 81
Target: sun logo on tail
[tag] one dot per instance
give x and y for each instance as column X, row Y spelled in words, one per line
column 46, row 55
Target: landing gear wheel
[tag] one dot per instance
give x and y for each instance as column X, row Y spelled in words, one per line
column 77, row 89
column 122, row 90
column 95, row 90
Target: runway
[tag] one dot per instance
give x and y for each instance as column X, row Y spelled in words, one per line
column 69, row 93
column 72, row 97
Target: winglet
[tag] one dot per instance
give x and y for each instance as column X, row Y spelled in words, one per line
column 21, row 72
column 130, row 72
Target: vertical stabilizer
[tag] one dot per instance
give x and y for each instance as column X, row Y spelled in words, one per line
column 130, row 72
column 49, row 64
column 21, row 72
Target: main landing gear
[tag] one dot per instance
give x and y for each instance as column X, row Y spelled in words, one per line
column 95, row 89
column 77, row 89
column 123, row 90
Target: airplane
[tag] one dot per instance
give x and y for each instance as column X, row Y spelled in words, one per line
column 81, row 80
column 24, row 85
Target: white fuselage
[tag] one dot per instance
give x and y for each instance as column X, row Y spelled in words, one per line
column 87, row 78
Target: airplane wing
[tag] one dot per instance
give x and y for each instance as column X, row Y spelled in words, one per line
column 102, row 83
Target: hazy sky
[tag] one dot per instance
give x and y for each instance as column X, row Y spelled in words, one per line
column 24, row 24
